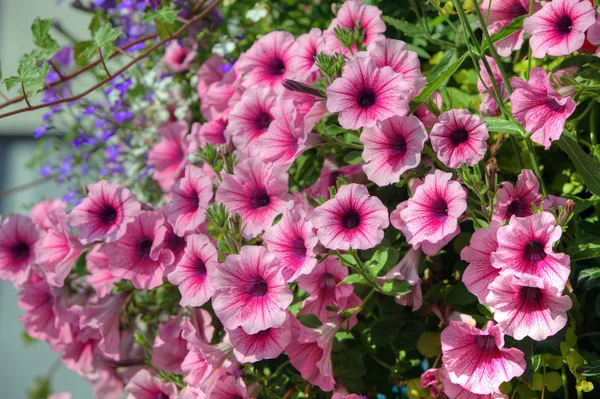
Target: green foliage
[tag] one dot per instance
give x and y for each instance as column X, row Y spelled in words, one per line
column 588, row 168
column 30, row 77
column 434, row 83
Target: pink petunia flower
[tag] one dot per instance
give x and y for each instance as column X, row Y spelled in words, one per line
column 525, row 249
column 18, row 238
column 501, row 13
column 480, row 273
column 459, row 138
column 540, row 108
column 229, row 387
column 268, row 61
column 455, row 391
column 432, row 378
column 144, row 385
column 353, row 219
column 58, row 249
column 100, row 278
column 324, row 289
column 251, row 291
column 307, row 47
column 366, row 94
column 528, row 306
column 429, row 220
column 258, row 192
column 477, row 360
column 130, row 257
column 518, row 199
column 79, row 351
column 170, row 347
column 369, row 18
column 593, row 35
column 406, row 270
column 395, row 54
column 191, row 196
column 40, row 212
column 293, row 241
column 329, row 174
column 266, row 344
column 250, row 118
column 212, row 132
column 193, row 273
column 211, row 71
column 179, row 57
column 169, row 155
column 428, row 118
column 105, row 213
column 392, row 147
column 488, row 106
column 559, row 27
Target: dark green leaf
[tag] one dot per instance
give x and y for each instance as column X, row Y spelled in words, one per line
column 395, row 287
column 485, row 311
column 459, row 295
column 348, row 364
column 309, row 320
column 83, row 51
column 407, row 28
column 584, row 251
column 590, row 278
column 437, row 82
column 597, row 306
column 353, row 157
column 384, row 331
column 587, row 167
column 591, row 369
column 95, row 23
column 502, row 126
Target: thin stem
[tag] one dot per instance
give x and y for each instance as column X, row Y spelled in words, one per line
column 534, row 165
column 515, row 391
column 590, row 334
column 564, row 382
column 103, row 63
column 278, row 371
column 593, row 132
column 53, row 64
column 25, row 94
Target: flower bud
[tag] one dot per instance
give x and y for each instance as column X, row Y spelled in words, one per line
column 565, row 214
column 491, row 170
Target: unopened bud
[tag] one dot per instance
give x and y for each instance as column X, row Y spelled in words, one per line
column 235, row 223
column 491, row 170
column 567, row 211
column 294, row 85
column 335, row 8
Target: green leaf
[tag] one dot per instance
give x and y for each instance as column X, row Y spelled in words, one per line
column 384, row 331
column 585, row 251
column 30, row 77
column 353, row 157
column 47, row 46
column 309, row 320
column 485, row 311
column 589, row 278
column 459, row 295
column 514, row 26
column 587, row 167
column 11, row 82
column 502, row 126
column 395, row 287
column 429, row 344
column 106, row 34
column 437, row 82
column 83, row 51
column 348, row 364
column 354, row 279
column 164, row 15
column 590, row 369
column 407, row 28
column 95, row 23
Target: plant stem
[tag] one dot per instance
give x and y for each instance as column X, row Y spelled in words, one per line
column 535, row 167
column 564, row 382
column 590, row 334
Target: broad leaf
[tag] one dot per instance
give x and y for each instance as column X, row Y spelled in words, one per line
column 106, row 34
column 585, row 251
column 354, row 279
column 502, row 126
column 395, row 287
column 437, row 82
column 587, row 167
column 47, row 46
column 591, row 369
column 164, row 15
column 590, row 278
column 353, row 157
column 407, row 28
column 83, row 51
column 384, row 331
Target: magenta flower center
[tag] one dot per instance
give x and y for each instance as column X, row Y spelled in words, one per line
column 333, row 178
column 194, row 199
column 108, row 214
column 516, row 10
column 262, row 121
column 564, row 25
column 485, row 342
column 298, row 249
column 328, row 281
column 534, row 251
column 19, row 251
column 143, row 247
column 258, row 287
column 161, row 395
column 366, row 98
column 459, row 136
column 439, row 208
column 519, row 208
column 181, row 57
column 276, row 67
column 200, row 268
column 260, row 198
column 398, row 145
column 174, row 242
column 263, row 333
column 530, row 294
column 351, row 219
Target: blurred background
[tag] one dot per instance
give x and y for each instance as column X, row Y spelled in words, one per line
column 21, row 363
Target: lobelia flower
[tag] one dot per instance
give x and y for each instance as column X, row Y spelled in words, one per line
column 251, row 291
column 18, row 238
column 525, row 249
column 518, row 199
column 191, row 196
column 459, row 138
column 406, row 270
column 250, row 118
column 392, row 147
column 169, row 155
column 489, row 106
column 369, row 18
column 130, row 257
column 455, row 391
column 501, row 13
column 177, row 57
column 540, row 108
column 105, row 317
column 40, row 212
column 559, row 27
column 481, row 273
column 57, row 249
column 428, row 118
column 105, row 213
column 293, row 241
column 353, row 219
column 477, row 360
column 395, row 54
column 258, row 192
column 429, row 220
column 307, row 47
column 144, row 385
column 193, row 274
column 323, row 287
column 100, row 278
column 366, row 94
column 528, row 306
column 268, row 61
column 265, row 344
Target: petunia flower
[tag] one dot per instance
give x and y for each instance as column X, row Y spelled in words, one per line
column 480, row 273
column 100, row 278
column 368, row 17
column 105, row 213
column 366, row 94
column 432, row 378
column 258, row 192
column 293, row 241
column 540, row 108
column 212, row 132
column 306, row 48
column 593, row 35
column 169, row 156
column 455, row 391
column 170, row 347
column 193, row 273
column 251, row 291
column 268, row 61
column 40, row 212
column 528, row 306
column 209, row 72
column 525, row 248
column 144, row 385
column 489, row 106
column 169, row 246
column 353, row 219
column 459, row 138
column 477, row 360
column 392, row 147
column 406, row 270
column 18, row 238
column 265, row 344
column 428, row 118
column 559, row 27
column 191, row 196
column 518, row 199
column 178, row 58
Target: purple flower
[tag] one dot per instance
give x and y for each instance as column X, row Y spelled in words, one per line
column 46, row 170
column 39, row 132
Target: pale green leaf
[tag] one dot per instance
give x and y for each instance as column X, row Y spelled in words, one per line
column 502, row 126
